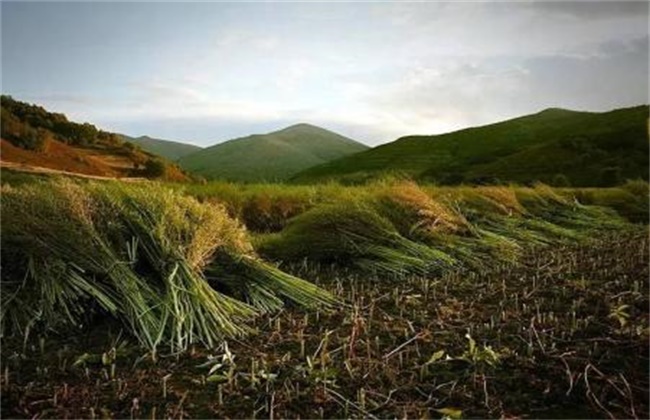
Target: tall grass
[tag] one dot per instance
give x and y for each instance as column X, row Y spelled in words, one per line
column 137, row 253
column 46, row 226
column 405, row 228
column 631, row 200
column 177, row 269
column 351, row 234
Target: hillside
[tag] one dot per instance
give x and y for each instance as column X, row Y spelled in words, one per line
column 274, row 156
column 171, row 150
column 556, row 146
column 34, row 138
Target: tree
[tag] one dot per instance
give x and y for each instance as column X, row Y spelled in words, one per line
column 21, row 134
column 109, row 139
column 129, row 148
column 11, row 127
column 33, row 139
column 154, row 168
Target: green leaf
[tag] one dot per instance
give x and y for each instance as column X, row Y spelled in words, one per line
column 216, row 378
column 83, row 359
column 450, row 413
column 436, row 356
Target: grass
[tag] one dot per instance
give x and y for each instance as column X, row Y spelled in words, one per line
column 133, row 252
column 404, row 228
column 269, row 207
column 349, row 235
column 181, row 270
column 149, row 300
column 630, row 200
column 261, row 207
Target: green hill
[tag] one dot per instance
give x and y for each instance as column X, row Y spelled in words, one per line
column 270, row 157
column 555, row 146
column 171, row 150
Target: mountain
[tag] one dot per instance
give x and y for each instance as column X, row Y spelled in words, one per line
column 171, row 150
column 274, row 156
column 36, row 140
column 556, row 146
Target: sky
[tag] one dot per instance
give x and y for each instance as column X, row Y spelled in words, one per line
column 205, row 72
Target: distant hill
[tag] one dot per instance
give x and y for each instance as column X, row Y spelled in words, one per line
column 171, row 150
column 556, row 146
column 33, row 138
column 274, row 156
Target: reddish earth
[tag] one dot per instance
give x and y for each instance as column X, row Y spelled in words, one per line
column 63, row 158
column 57, row 156
column 22, row 167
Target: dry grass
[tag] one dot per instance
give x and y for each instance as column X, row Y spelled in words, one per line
column 422, row 211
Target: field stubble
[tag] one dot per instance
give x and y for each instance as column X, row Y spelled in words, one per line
column 563, row 333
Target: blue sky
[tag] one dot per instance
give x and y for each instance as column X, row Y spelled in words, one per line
column 206, row 72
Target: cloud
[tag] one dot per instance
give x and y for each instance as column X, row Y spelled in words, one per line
column 435, row 99
column 589, row 10
column 296, row 72
column 488, row 29
column 66, row 98
column 457, row 93
column 374, row 71
column 599, row 82
column 174, row 102
column 241, row 39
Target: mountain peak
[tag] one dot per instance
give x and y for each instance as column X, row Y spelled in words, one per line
column 303, row 127
column 273, row 156
column 557, row 112
column 554, row 109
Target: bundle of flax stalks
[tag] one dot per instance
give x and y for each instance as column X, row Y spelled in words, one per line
column 137, row 253
column 352, row 234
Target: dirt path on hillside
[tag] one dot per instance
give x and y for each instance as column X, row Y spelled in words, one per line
column 22, row 167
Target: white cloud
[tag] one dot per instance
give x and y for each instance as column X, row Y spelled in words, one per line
column 376, row 71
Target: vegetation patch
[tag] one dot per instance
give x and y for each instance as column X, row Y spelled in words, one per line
column 71, row 251
column 500, row 301
column 403, row 228
column 37, row 138
column 351, row 235
column 560, row 147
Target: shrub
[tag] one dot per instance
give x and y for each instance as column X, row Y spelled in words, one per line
column 23, row 135
column 154, row 168
column 638, row 187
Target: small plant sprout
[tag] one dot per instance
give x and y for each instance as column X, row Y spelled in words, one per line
column 620, row 314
